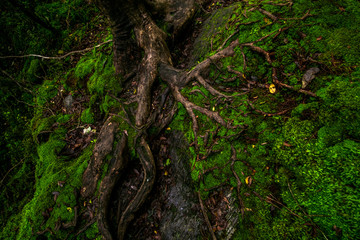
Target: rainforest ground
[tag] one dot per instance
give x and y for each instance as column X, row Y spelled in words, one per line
column 263, row 145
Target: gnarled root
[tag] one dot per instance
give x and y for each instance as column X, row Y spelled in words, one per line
column 108, row 184
column 148, row 164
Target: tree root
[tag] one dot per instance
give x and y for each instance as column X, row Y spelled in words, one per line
column 108, row 183
column 157, row 61
column 102, row 148
column 206, row 217
column 238, row 185
column 148, row 164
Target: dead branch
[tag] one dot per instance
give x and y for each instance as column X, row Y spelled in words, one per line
column 307, row 14
column 268, row 14
column 13, row 167
column 13, row 79
column 57, row 57
column 292, row 88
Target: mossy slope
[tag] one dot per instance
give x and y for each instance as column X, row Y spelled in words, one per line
column 299, row 169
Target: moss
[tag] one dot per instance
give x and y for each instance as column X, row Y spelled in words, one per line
column 87, row 116
column 46, row 91
column 40, row 124
column 50, row 169
column 311, row 151
column 63, row 118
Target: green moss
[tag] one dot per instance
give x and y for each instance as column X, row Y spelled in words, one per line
column 46, row 91
column 50, row 169
column 63, row 118
column 311, row 151
column 87, row 116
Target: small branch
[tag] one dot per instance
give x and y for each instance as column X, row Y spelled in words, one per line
column 58, row 57
column 292, row 88
column 17, row 164
column 13, row 79
column 268, row 14
column 307, row 14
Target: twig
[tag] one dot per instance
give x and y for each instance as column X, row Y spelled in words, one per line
column 206, row 217
column 2, row 180
column 86, row 226
column 58, row 57
column 268, row 14
column 292, row 88
column 13, row 79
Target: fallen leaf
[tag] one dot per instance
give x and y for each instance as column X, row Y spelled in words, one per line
column 248, row 180
column 272, row 88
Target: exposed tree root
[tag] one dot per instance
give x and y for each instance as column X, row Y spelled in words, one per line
column 108, row 183
column 148, row 164
column 156, row 62
column 238, row 185
column 206, row 217
column 102, row 148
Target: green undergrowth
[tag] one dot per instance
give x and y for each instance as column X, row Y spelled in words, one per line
column 58, row 178
column 54, row 176
column 298, row 169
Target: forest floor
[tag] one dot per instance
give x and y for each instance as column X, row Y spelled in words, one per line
column 285, row 165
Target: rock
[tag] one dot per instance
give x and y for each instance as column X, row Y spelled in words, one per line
column 212, row 25
column 181, row 219
column 68, row 101
column 176, row 13
column 309, row 76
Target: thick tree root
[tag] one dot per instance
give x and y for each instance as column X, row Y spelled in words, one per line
column 108, row 184
column 103, row 147
column 148, row 164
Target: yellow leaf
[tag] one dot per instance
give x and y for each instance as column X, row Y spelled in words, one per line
column 69, row 209
column 60, row 52
column 166, row 173
column 168, row 128
column 247, row 180
column 135, row 91
column 272, row 88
